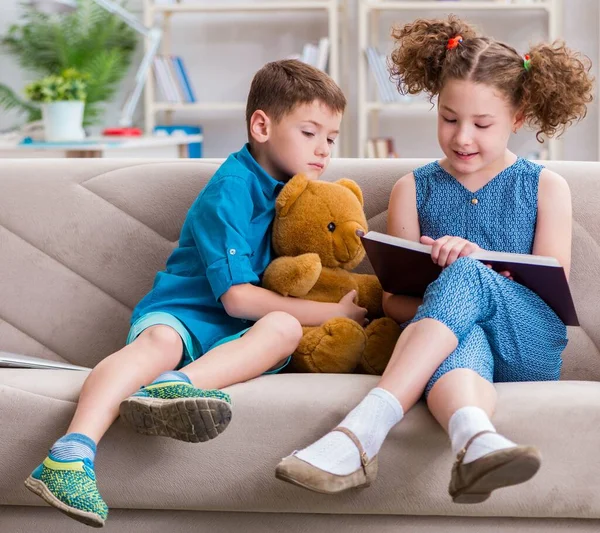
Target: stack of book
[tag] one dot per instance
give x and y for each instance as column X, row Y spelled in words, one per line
column 316, row 55
column 382, row 147
column 386, row 87
column 172, row 80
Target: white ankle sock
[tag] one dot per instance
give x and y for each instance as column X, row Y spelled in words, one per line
column 371, row 421
column 469, row 421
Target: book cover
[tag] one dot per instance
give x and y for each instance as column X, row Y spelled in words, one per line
column 405, row 267
column 184, row 79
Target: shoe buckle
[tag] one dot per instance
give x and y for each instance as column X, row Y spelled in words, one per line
column 364, row 459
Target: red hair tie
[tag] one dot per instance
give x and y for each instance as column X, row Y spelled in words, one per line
column 453, row 42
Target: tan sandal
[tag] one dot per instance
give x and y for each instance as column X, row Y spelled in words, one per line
column 474, row 482
column 299, row 472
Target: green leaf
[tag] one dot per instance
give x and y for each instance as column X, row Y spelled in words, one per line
column 90, row 40
column 10, row 101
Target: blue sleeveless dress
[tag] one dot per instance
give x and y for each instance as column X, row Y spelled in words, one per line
column 505, row 331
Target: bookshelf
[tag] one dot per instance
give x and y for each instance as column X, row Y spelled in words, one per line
column 163, row 13
column 370, row 109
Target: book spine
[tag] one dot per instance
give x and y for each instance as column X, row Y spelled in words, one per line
column 373, row 66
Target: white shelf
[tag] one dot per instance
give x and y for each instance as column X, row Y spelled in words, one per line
column 331, row 10
column 200, row 106
column 242, row 7
column 462, row 5
column 408, row 108
column 368, row 13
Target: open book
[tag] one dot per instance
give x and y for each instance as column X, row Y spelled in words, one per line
column 405, row 267
column 14, row 360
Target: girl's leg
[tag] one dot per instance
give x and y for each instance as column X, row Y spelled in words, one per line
column 462, row 398
column 465, row 294
column 463, row 402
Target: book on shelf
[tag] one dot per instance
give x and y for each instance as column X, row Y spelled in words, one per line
column 387, row 89
column 405, row 267
column 381, row 147
column 172, row 80
column 316, row 55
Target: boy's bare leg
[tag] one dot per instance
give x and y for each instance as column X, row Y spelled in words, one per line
column 188, row 405
column 157, row 349
column 267, row 344
column 66, row 478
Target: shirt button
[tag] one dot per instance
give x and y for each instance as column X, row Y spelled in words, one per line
column 232, row 251
column 474, row 201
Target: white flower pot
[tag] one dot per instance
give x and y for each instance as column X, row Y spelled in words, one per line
column 63, row 121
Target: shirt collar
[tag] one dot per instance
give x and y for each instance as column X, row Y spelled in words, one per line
column 270, row 186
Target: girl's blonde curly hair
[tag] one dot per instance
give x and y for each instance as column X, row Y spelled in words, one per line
column 551, row 93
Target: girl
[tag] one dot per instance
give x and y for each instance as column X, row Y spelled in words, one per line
column 473, row 326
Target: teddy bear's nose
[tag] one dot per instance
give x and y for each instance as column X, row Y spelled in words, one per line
column 360, row 233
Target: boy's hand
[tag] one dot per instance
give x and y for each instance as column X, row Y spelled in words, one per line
column 446, row 250
column 350, row 310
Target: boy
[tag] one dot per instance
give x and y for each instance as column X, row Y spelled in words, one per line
column 192, row 334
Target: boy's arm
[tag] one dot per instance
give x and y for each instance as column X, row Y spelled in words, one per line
column 219, row 225
column 220, row 221
column 554, row 219
column 251, row 302
column 403, row 221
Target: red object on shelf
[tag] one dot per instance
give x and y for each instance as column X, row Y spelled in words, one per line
column 122, row 132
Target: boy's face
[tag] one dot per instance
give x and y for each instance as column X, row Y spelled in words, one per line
column 301, row 142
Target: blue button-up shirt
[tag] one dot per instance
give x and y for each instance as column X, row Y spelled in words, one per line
column 225, row 240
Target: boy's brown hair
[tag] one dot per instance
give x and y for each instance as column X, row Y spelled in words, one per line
column 550, row 85
column 280, row 86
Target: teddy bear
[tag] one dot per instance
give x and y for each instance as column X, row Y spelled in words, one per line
column 317, row 240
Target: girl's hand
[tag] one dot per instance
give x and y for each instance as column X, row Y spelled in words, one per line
column 446, row 250
column 504, row 273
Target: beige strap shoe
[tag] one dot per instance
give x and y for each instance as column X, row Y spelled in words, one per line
column 299, row 472
column 474, row 482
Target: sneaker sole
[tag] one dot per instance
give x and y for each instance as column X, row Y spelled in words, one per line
column 38, row 487
column 186, row 419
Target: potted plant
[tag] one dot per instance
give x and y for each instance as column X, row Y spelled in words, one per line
column 91, row 40
column 62, row 98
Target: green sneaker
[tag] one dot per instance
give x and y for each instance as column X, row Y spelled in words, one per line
column 70, row 486
column 178, row 410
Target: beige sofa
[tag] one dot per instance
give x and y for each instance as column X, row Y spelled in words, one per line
column 80, row 241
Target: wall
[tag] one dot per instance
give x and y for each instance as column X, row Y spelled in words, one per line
column 223, row 52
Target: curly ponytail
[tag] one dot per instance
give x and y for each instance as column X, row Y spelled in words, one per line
column 556, row 88
column 551, row 89
column 417, row 63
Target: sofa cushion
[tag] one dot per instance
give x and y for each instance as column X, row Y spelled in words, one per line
column 273, row 415
column 81, row 241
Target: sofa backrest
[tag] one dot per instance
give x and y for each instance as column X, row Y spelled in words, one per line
column 81, row 241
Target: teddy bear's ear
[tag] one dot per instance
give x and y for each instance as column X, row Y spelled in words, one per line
column 290, row 193
column 353, row 186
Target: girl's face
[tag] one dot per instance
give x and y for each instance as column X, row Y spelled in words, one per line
column 474, row 124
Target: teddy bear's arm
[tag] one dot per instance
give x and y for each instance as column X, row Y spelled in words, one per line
column 293, row 276
column 370, row 293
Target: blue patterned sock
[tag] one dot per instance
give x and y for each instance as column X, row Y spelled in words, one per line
column 173, row 375
column 74, row 446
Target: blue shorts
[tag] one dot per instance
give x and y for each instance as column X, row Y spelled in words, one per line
column 191, row 347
